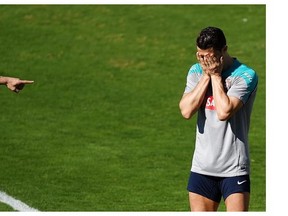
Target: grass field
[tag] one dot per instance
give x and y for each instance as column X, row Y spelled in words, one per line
column 100, row 129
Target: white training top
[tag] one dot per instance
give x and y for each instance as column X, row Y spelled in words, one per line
column 221, row 147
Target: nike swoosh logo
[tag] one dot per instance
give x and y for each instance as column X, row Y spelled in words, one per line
column 239, row 183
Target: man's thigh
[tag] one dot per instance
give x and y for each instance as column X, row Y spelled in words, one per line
column 204, row 192
column 201, row 203
column 236, row 192
column 238, row 202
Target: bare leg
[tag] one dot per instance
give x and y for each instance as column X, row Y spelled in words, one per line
column 201, row 203
column 238, row 202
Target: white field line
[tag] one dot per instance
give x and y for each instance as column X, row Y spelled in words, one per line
column 15, row 204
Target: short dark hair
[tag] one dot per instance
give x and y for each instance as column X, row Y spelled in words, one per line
column 211, row 37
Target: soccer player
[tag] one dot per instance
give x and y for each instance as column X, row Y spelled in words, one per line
column 221, row 90
column 13, row 83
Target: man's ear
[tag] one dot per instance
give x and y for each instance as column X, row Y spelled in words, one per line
column 225, row 48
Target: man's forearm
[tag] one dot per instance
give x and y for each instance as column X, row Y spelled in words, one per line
column 223, row 104
column 191, row 102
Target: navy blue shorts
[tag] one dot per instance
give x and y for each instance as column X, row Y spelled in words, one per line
column 215, row 187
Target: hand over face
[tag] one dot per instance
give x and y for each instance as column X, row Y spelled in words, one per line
column 211, row 64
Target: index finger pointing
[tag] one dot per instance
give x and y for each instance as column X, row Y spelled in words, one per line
column 27, row 81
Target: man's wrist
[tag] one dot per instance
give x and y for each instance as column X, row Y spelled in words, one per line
column 216, row 75
column 216, row 78
column 206, row 76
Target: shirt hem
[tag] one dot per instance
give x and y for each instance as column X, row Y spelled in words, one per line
column 220, row 174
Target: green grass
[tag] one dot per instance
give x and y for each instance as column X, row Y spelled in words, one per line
column 5, row 207
column 100, row 129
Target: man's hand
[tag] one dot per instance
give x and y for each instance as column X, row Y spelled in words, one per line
column 16, row 84
column 210, row 64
